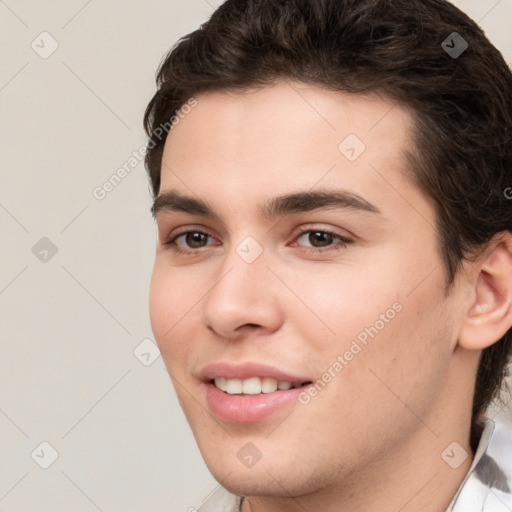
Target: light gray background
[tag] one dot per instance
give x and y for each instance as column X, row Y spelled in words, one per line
column 69, row 326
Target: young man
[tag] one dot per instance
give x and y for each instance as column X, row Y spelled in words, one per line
column 332, row 287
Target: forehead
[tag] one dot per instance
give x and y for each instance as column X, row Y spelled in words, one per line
column 287, row 136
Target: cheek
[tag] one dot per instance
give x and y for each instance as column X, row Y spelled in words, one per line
column 380, row 330
column 340, row 305
column 160, row 302
column 405, row 362
column 171, row 306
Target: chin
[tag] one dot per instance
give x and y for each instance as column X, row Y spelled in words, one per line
column 257, row 484
column 270, row 476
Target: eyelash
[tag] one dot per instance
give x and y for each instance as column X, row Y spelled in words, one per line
column 344, row 241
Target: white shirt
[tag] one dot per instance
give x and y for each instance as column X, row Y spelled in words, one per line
column 487, row 486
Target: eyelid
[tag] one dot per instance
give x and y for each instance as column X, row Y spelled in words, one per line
column 342, row 234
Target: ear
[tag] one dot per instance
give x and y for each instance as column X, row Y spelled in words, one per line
column 489, row 316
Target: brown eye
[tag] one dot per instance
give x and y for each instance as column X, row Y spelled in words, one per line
column 317, row 239
column 320, row 238
column 189, row 241
column 195, row 240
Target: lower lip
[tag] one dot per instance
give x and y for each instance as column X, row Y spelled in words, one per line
column 248, row 408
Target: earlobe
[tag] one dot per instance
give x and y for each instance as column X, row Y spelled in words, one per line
column 489, row 316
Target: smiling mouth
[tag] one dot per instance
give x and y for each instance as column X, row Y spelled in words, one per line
column 254, row 385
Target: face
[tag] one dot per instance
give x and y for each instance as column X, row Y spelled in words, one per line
column 294, row 254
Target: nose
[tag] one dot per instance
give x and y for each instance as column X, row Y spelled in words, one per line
column 243, row 299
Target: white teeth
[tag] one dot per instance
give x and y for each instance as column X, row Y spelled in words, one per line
column 233, row 386
column 252, row 386
column 221, row 383
column 268, row 385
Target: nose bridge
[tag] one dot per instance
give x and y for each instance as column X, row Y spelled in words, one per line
column 243, row 273
column 242, row 293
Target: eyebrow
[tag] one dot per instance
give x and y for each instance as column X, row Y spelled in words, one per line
column 276, row 207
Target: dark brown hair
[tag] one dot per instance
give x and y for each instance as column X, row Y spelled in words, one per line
column 402, row 49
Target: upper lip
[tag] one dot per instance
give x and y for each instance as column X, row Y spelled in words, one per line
column 246, row 370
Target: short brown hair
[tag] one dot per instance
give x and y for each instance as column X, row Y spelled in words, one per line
column 462, row 104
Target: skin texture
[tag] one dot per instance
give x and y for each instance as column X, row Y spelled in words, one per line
column 373, row 437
